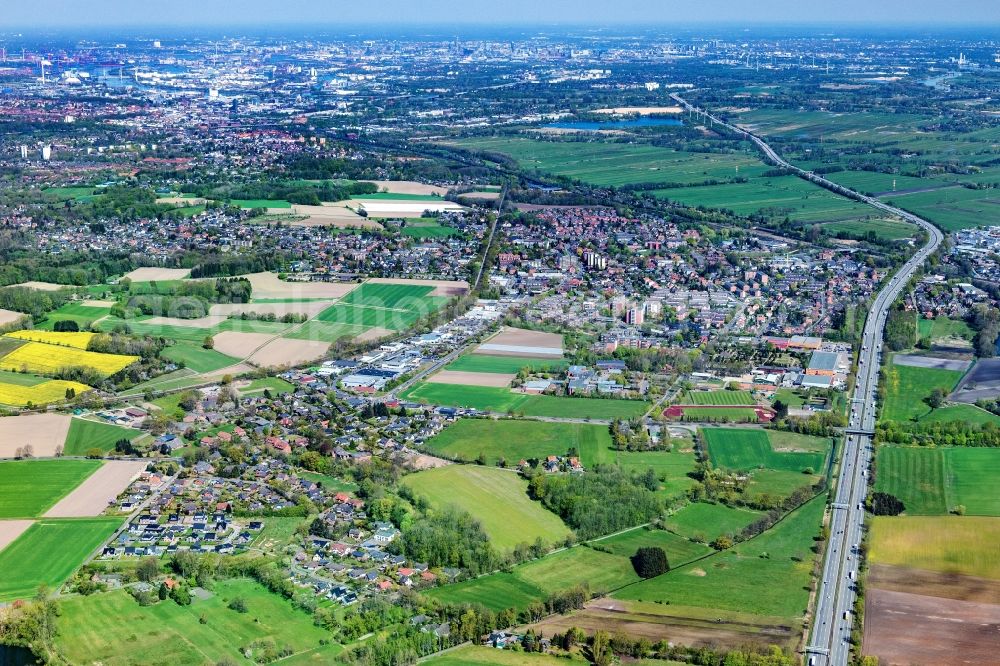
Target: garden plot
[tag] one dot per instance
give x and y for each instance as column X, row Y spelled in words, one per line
column 92, row 496
column 43, row 432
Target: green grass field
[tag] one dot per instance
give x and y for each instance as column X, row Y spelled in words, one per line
column 615, row 164
column 747, row 449
column 21, row 379
column 495, row 497
column 502, row 400
column 421, row 229
column 950, row 544
column 503, row 364
column 166, row 633
column 326, row 331
column 718, row 398
column 883, row 229
column 83, row 315
column 601, row 571
column 276, row 385
column 950, row 208
column 196, row 357
column 766, row 576
column 28, row 488
column 514, row 440
column 906, row 388
column 48, row 552
column 935, row 481
column 702, row 521
column 85, row 434
column 480, row 655
column 260, row 203
column 944, row 327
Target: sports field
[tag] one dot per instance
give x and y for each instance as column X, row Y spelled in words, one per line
column 950, row 544
column 719, row 414
column 502, row 400
column 85, row 434
column 906, row 387
column 503, row 364
column 49, row 552
column 166, row 633
column 933, row 481
column 718, row 398
column 766, row 576
column 497, row 498
column 601, row 571
column 46, row 359
column 30, row 487
column 747, row 449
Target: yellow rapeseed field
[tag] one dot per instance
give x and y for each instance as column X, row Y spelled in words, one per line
column 66, row 339
column 44, row 359
column 53, row 390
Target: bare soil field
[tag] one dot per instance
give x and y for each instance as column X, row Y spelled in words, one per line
column 420, row 461
column 310, row 308
column 522, row 342
column 181, row 201
column 42, row 286
column 9, row 316
column 610, row 615
column 388, row 208
column 149, row 274
column 407, row 187
column 481, row 196
column 237, row 369
column 286, row 351
column 97, row 304
column 267, row 285
column 373, row 333
column 915, row 361
column 934, row 584
column 903, row 628
column 92, row 496
column 44, row 432
column 640, row 110
column 328, row 216
column 982, row 382
column 208, row 321
column 240, row 345
column 11, row 529
column 441, row 287
column 493, row 379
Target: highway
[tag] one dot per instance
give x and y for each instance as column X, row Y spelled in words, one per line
column 829, row 642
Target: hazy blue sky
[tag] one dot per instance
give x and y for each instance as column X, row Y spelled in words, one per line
column 263, row 12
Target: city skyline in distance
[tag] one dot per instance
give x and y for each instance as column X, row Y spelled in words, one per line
column 211, row 13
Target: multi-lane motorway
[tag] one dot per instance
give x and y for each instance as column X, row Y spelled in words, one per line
column 829, row 641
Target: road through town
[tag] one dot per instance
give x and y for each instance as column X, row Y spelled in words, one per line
column 833, row 620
